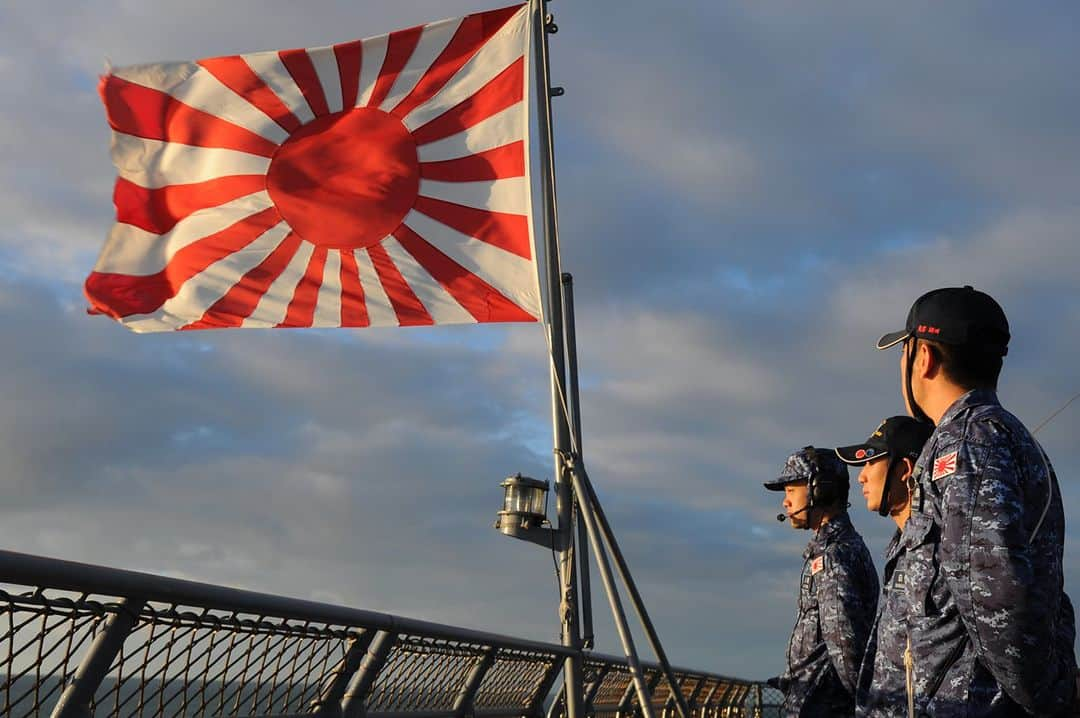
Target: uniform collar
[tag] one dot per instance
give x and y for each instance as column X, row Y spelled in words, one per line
column 836, row 527
column 975, row 397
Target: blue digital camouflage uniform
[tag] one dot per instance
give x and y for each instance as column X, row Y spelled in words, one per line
column 991, row 629
column 882, row 687
column 837, row 601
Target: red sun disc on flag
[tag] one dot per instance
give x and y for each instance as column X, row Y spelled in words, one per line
column 346, row 180
column 382, row 181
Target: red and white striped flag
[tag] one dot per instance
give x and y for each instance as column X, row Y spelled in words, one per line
column 377, row 182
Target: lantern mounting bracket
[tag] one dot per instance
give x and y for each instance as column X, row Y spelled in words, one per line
column 541, row 535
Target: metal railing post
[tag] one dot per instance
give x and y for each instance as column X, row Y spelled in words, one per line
column 328, row 704
column 536, row 706
column 686, row 701
column 654, row 681
column 692, row 700
column 626, row 705
column 721, row 700
column 463, row 704
column 354, row 702
column 708, row 697
column 590, row 694
column 720, row 710
column 75, row 700
column 553, row 709
column 626, row 702
column 732, row 698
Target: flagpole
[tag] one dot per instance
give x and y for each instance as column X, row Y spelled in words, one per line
column 571, row 481
column 564, row 499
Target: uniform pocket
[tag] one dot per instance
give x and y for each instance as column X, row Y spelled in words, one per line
column 921, row 566
column 805, row 636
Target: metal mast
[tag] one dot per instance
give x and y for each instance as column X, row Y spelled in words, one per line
column 564, row 501
column 572, row 481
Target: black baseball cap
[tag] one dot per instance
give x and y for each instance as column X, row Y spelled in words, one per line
column 899, row 436
column 962, row 316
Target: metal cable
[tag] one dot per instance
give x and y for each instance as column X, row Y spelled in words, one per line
column 1052, row 416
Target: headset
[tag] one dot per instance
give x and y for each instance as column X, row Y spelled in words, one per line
column 822, row 489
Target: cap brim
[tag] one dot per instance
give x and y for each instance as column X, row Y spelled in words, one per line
column 850, row 454
column 892, row 339
column 780, row 483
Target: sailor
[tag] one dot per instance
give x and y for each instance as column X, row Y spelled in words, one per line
column 990, row 630
column 837, row 589
column 887, row 459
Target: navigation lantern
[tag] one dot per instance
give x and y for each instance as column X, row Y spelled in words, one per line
column 524, row 511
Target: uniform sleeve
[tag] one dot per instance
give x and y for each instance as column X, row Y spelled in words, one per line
column 847, row 601
column 987, row 565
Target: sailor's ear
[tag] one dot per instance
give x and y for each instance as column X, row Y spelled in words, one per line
column 927, row 361
column 905, row 467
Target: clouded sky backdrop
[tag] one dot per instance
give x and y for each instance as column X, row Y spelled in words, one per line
column 750, row 194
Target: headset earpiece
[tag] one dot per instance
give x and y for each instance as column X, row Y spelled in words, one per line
column 821, row 488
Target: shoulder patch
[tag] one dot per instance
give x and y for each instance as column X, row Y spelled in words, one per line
column 817, row 565
column 944, row 466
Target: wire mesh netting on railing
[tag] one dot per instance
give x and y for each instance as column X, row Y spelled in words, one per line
column 175, row 662
column 764, row 702
column 42, row 643
column 78, row 640
column 610, row 693
column 513, row 680
column 187, row 662
column 422, row 674
column 183, row 661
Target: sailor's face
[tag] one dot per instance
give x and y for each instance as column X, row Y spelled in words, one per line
column 872, row 479
column 796, row 496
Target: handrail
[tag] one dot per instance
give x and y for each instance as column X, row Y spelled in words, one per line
column 617, row 661
column 26, row 569
column 78, row 640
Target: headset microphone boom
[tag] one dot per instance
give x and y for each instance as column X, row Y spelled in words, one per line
column 785, row 517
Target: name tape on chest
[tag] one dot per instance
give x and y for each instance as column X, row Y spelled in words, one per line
column 944, row 466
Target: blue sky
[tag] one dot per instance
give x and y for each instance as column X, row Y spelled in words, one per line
column 750, row 195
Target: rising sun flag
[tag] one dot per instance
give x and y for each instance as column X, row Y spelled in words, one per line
column 383, row 181
column 377, row 182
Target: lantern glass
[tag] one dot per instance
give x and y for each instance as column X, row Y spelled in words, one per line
column 524, row 496
column 512, row 499
column 538, row 503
